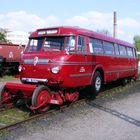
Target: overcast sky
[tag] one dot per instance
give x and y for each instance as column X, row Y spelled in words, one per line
column 27, row 15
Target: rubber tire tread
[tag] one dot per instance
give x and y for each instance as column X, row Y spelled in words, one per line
column 93, row 89
column 1, row 90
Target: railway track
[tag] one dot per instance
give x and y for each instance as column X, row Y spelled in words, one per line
column 25, row 117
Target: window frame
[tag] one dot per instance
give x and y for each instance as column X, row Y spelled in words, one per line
column 107, row 45
column 116, row 47
column 83, row 45
column 95, row 42
column 132, row 55
column 122, row 51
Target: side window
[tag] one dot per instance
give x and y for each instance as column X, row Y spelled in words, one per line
column 122, row 50
column 108, row 48
column 81, row 44
column 134, row 53
column 97, row 46
column 70, row 43
column 130, row 52
column 116, row 49
column 91, row 49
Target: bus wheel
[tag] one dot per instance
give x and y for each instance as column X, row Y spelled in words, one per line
column 124, row 81
column 129, row 80
column 40, row 95
column 96, row 84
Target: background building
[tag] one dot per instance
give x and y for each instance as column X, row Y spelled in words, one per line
column 17, row 37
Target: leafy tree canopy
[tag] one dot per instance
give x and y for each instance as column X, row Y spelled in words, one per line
column 3, row 38
column 137, row 42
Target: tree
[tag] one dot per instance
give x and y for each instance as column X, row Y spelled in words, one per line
column 3, row 32
column 137, row 42
column 104, row 31
column 3, row 38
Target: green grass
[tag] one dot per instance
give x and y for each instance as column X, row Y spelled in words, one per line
column 13, row 115
column 4, row 133
column 7, row 78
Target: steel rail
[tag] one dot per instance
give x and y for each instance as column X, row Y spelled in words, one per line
column 61, row 108
column 40, row 116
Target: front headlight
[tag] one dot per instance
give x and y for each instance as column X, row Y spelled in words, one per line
column 20, row 68
column 55, row 70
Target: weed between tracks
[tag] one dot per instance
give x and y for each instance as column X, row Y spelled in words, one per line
column 14, row 115
column 116, row 90
column 10, row 116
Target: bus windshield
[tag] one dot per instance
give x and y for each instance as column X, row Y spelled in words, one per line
column 54, row 43
column 51, row 43
column 34, row 45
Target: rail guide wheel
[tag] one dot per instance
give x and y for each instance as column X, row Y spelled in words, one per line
column 41, row 98
column 5, row 97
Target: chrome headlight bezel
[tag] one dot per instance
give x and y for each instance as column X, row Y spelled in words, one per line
column 20, row 68
column 55, row 70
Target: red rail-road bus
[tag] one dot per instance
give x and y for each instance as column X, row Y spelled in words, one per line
column 58, row 61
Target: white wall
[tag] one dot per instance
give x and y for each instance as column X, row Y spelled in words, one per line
column 18, row 37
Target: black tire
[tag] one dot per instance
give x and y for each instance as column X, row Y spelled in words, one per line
column 35, row 96
column 1, row 91
column 124, row 81
column 96, row 84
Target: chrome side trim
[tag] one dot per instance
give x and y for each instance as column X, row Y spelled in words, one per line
column 40, row 61
column 108, row 72
column 28, row 61
column 62, row 63
column 74, row 63
column 81, row 75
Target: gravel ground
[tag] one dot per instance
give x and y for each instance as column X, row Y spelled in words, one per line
column 110, row 118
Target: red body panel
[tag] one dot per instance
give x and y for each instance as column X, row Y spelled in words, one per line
column 26, row 89
column 58, row 61
column 69, row 69
column 11, row 52
column 77, row 70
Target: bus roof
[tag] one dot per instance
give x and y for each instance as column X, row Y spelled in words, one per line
column 70, row 30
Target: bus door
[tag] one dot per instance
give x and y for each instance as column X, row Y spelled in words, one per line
column 117, row 61
column 133, row 60
column 124, row 62
column 81, row 67
column 109, row 60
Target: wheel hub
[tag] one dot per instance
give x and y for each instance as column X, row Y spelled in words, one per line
column 98, row 83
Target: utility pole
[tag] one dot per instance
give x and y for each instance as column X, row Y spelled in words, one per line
column 114, row 25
